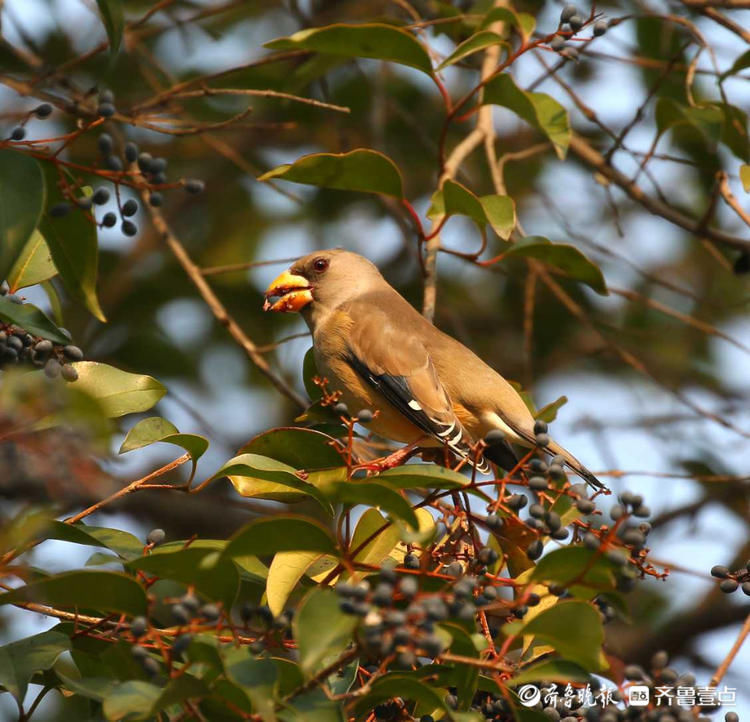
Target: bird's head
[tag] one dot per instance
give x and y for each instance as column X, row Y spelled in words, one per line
column 326, row 278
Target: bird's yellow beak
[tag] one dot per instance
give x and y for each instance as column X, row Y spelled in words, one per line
column 293, row 293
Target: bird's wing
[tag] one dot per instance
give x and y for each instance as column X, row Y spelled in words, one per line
column 396, row 364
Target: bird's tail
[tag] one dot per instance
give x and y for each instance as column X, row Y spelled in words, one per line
column 573, row 463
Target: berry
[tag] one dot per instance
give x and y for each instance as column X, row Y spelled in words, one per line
column 158, row 165
column 642, row 512
column 131, row 152
column 43, row 111
column 59, row 210
column 591, row 540
column 746, row 588
column 576, row 23
column 156, row 199
column 383, row 595
column 617, row 556
column 145, row 161
column 494, row 437
column 538, row 483
column 43, row 347
column 535, row 549
column 616, row 512
column 411, row 561
column 113, row 163
column 4, row 288
column 18, row 133
column 100, row 197
column 729, row 585
column 181, row 644
column 537, row 511
column 159, row 178
column 659, row 660
column 585, row 506
column 210, row 612
column 138, row 627
column 69, row 373
column 540, row 427
column 129, row 208
column 569, row 53
column 341, row 409
column 129, row 228
column 52, row 368
column 731, row 717
column 106, row 96
column 487, row 555
column 494, row 522
column 517, row 501
column 568, row 12
column 408, row 587
column 109, row 220
column 364, row 416
column 181, row 614
column 542, row 440
column 634, row 672
column 84, row 203
column 105, row 143
column 106, row 110
column 156, row 536
column 432, row 645
column 553, row 521
column 193, row 185
column 600, row 27
column 138, row 651
column 634, row 538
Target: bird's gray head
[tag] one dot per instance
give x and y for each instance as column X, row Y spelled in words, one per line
column 324, row 279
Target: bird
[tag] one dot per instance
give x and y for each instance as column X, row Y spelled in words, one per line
column 381, row 354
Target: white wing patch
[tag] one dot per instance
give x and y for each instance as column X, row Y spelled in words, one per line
column 414, row 405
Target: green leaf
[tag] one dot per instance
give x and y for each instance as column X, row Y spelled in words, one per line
column 422, row 476
column 31, row 319
column 562, row 256
column 278, row 534
column 286, row 569
column 21, row 204
column 548, row 413
column 133, row 700
column 313, row 706
column 73, row 244
column 250, row 475
column 501, row 214
column 123, row 543
column 745, row 177
column 258, row 679
column 218, row 581
column 19, row 660
column 590, row 571
column 555, row 670
column 99, row 590
column 539, row 110
column 707, row 119
column 155, row 429
column 299, row 448
column 321, row 630
column 479, row 41
column 371, row 40
column 465, row 677
column 33, row 265
column 742, row 62
column 574, row 629
column 364, row 170
column 118, row 392
column 382, row 536
column 114, row 22
column 523, row 21
column 370, row 493
column 400, row 684
column 734, row 131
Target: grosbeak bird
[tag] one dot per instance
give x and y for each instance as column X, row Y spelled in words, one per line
column 380, row 353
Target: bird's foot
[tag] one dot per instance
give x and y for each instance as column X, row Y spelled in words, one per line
column 388, row 462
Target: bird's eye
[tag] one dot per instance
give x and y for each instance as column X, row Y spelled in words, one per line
column 320, row 264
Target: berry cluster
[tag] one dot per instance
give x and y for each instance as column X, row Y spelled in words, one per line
column 571, row 22
column 17, row 346
column 732, row 581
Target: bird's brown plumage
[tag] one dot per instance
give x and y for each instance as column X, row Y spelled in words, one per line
column 376, row 349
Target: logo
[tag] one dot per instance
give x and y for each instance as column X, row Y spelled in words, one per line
column 638, row 695
column 529, row 695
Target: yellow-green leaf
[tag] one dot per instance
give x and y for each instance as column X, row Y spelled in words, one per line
column 478, row 41
column 33, row 265
column 371, row 40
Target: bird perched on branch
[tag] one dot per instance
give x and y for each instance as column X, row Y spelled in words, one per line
column 380, row 353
